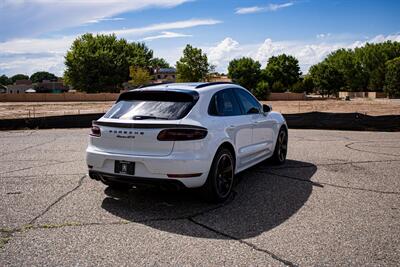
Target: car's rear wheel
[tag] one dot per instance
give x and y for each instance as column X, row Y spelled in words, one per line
column 219, row 183
column 281, row 146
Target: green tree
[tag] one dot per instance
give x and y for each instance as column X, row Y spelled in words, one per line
column 101, row 63
column 372, row 58
column 159, row 63
column 284, row 69
column 327, row 79
column 139, row 54
column 344, row 60
column 4, row 80
column 278, row 87
column 262, row 90
column 297, row 87
column 392, row 77
column 305, row 84
column 42, row 75
column 245, row 71
column 139, row 76
column 193, row 66
column 364, row 67
column 308, row 84
column 19, row 77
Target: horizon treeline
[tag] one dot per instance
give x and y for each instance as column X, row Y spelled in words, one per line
column 102, row 63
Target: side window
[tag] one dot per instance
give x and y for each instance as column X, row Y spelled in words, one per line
column 248, row 102
column 223, row 103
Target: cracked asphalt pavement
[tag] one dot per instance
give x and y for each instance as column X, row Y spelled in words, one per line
column 335, row 202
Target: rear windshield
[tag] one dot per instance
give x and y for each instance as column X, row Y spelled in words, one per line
column 152, row 105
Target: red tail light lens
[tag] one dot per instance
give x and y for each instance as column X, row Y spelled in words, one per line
column 181, row 134
column 95, row 131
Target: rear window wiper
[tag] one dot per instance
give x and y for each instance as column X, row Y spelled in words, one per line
column 147, row 117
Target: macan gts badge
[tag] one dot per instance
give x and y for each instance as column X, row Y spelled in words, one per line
column 193, row 135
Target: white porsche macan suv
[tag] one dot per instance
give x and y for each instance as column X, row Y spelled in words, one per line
column 185, row 134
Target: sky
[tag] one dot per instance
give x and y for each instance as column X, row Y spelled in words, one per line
column 36, row 34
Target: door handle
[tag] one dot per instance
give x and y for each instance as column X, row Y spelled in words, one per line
column 230, row 127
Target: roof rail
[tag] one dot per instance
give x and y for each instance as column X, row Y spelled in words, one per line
column 211, row 83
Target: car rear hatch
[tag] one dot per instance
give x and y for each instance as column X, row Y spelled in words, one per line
column 133, row 124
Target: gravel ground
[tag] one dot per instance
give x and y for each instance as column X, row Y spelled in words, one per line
column 335, row 202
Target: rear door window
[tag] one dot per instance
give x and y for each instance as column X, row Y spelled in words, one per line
column 152, row 105
column 223, row 103
column 249, row 104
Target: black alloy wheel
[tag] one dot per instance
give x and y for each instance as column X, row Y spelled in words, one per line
column 224, row 175
column 281, row 147
column 218, row 186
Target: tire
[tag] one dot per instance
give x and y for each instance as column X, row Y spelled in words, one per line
column 218, row 186
column 280, row 152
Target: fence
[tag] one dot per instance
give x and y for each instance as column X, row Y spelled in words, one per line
column 287, row 96
column 66, row 97
column 372, row 95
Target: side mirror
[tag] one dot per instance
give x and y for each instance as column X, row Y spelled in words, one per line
column 267, row 108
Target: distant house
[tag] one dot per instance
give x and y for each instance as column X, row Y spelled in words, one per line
column 160, row 75
column 47, row 86
column 163, row 75
column 215, row 77
column 19, row 87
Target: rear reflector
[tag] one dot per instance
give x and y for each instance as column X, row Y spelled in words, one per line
column 181, row 134
column 184, row 175
column 95, row 131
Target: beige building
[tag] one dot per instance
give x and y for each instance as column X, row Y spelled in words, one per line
column 219, row 78
column 19, row 87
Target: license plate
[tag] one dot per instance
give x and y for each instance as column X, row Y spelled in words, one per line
column 124, row 167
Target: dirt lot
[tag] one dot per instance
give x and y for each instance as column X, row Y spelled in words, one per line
column 40, row 109
column 365, row 106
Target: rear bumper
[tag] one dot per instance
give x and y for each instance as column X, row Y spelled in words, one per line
column 133, row 180
column 151, row 169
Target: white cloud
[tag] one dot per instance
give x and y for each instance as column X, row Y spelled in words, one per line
column 382, row 38
column 257, row 9
column 33, row 54
column 165, row 35
column 223, row 52
column 323, row 35
column 308, row 53
column 275, row 7
column 35, row 45
column 31, row 18
column 248, row 10
column 103, row 19
column 183, row 24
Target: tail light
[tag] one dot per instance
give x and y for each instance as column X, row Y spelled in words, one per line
column 181, row 134
column 95, row 131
